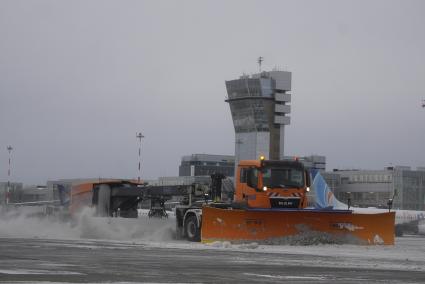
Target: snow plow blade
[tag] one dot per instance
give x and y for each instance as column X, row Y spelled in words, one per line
column 294, row 226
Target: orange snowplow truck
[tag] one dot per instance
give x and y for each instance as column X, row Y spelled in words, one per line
column 270, row 206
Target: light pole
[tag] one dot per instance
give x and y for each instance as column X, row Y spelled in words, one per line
column 9, row 149
column 259, row 61
column 140, row 136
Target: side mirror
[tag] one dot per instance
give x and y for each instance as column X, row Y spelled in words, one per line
column 307, row 179
column 390, row 204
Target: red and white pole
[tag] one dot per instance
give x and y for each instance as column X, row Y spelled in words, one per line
column 9, row 149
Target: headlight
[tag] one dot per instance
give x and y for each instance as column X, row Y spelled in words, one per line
column 308, row 189
column 265, row 188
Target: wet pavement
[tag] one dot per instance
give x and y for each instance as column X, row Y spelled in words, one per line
column 87, row 261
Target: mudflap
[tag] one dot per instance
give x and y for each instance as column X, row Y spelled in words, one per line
column 296, row 226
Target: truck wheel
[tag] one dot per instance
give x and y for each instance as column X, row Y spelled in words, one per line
column 191, row 229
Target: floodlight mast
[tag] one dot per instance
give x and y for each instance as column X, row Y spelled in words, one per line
column 260, row 60
column 140, row 136
column 9, row 149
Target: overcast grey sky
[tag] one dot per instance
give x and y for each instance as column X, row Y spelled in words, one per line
column 78, row 79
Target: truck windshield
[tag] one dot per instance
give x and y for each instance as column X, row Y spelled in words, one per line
column 283, row 177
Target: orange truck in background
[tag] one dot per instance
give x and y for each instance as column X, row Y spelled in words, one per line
column 108, row 198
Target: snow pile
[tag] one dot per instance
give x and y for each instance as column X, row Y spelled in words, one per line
column 306, row 236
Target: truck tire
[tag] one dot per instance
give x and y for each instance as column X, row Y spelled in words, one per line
column 191, row 229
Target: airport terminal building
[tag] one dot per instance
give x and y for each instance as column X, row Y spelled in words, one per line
column 206, row 165
column 373, row 188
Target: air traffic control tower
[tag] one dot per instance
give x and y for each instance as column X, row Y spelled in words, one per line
column 260, row 111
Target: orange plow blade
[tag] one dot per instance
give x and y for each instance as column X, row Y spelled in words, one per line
column 282, row 226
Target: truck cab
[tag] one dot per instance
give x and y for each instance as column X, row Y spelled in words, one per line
column 272, row 184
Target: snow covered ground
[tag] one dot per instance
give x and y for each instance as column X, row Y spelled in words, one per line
column 117, row 234
column 98, row 261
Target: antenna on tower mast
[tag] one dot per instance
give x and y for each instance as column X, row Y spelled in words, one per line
column 260, row 60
